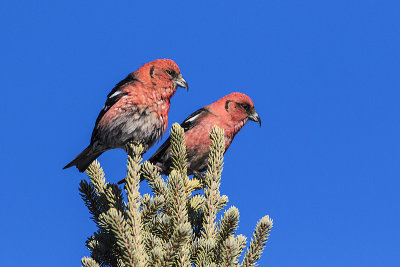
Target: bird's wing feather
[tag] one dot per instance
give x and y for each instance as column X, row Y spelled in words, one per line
column 187, row 124
column 113, row 97
column 194, row 118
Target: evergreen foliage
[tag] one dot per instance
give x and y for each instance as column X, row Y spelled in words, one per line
column 172, row 227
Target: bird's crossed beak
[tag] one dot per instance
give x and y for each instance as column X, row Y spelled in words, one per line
column 254, row 117
column 179, row 81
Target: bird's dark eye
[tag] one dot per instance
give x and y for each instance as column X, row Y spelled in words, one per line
column 172, row 73
column 245, row 106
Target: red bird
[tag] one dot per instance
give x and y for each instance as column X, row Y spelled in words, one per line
column 136, row 110
column 229, row 113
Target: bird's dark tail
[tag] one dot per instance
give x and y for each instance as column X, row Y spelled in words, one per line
column 122, row 181
column 84, row 159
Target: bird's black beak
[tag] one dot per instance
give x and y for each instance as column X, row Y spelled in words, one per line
column 179, row 81
column 254, row 117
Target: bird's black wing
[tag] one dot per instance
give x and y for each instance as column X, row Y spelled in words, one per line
column 192, row 120
column 112, row 98
column 187, row 124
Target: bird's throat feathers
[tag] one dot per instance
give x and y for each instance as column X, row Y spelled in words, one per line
column 231, row 130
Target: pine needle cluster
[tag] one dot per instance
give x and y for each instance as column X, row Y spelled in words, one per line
column 175, row 226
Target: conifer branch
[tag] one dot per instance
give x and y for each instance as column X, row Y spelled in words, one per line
column 114, row 221
column 103, row 247
column 241, row 241
column 132, row 207
column 99, row 196
column 154, row 179
column 213, row 177
column 201, row 251
column 195, row 207
column 89, row 262
column 177, row 198
column 230, row 252
column 178, row 149
column 114, row 197
column 97, row 177
column 178, row 240
column 109, row 195
column 257, row 244
column 154, row 246
column 226, row 229
column 194, row 184
column 177, row 250
column 170, row 227
column 197, row 202
column 150, row 206
column 91, row 199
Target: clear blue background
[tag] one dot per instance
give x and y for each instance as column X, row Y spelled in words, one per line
column 324, row 76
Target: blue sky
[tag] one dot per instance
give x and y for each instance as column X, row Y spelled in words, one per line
column 324, row 76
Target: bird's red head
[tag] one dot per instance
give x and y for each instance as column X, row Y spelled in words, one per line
column 161, row 73
column 239, row 107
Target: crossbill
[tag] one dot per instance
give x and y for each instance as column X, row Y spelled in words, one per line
column 135, row 110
